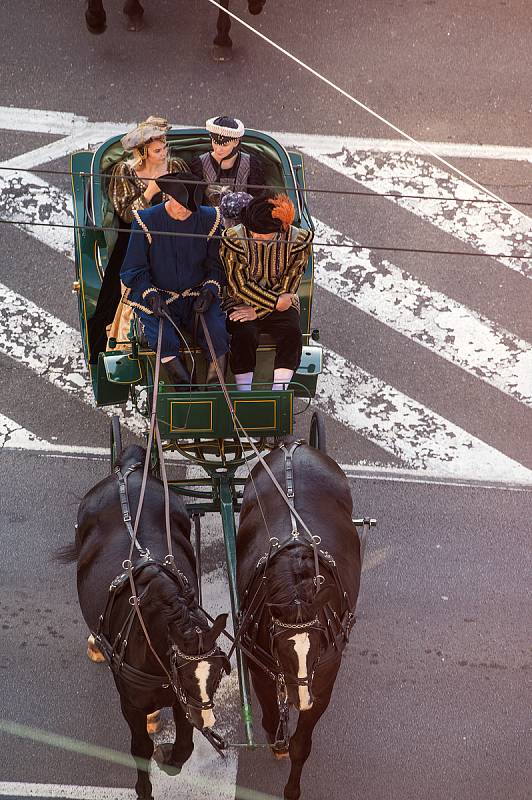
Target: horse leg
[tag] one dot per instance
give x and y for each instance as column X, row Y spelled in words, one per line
column 266, row 693
column 135, row 14
column 256, row 6
column 301, row 742
column 141, row 748
column 154, row 722
column 222, row 41
column 95, row 17
column 171, row 757
column 94, row 652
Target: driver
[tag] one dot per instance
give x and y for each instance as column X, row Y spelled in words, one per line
column 177, row 274
column 226, row 165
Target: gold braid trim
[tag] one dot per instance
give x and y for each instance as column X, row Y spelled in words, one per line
column 142, row 225
column 215, row 224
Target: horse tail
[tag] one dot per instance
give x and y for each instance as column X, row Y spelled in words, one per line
column 66, row 554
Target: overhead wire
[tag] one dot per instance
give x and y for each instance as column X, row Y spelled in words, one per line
column 365, row 107
column 348, row 245
column 282, row 188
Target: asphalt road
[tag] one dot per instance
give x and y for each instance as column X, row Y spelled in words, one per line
column 431, row 697
column 431, row 700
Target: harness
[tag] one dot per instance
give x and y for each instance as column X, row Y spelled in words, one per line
column 336, row 630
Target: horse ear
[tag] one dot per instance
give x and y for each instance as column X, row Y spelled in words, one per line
column 217, row 627
column 324, row 596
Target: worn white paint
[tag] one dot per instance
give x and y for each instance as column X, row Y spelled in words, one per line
column 202, row 676
column 407, row 429
column 418, row 436
column 51, row 348
column 302, row 646
column 61, row 122
column 14, row 437
column 427, row 317
column 362, row 278
column 487, row 227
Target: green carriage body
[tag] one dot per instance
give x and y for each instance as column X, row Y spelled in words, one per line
column 115, row 373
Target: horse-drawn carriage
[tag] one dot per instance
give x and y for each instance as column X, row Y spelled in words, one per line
column 221, row 430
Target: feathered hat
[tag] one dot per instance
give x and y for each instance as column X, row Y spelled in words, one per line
column 268, row 214
column 151, row 128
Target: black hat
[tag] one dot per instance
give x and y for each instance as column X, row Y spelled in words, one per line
column 184, row 187
column 268, row 214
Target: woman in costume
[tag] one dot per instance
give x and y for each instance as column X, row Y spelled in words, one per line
column 226, row 166
column 132, row 187
column 265, row 258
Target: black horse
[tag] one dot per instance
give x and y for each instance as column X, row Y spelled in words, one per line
column 175, row 662
column 96, row 20
column 298, row 598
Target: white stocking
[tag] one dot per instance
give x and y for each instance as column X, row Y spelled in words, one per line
column 244, row 381
column 281, row 378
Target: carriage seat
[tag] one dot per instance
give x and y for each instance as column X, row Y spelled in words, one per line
column 185, row 147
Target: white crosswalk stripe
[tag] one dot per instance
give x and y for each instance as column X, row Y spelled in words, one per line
column 487, row 227
column 424, row 315
column 400, row 425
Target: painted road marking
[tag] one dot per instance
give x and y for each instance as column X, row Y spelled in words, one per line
column 398, row 424
column 427, row 317
column 487, row 227
column 14, row 437
column 413, row 433
column 385, row 292
column 61, row 122
column 45, row 344
column 34, row 198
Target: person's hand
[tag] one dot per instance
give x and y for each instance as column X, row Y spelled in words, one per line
column 202, row 303
column 156, row 304
column 151, row 190
column 284, row 301
column 243, row 313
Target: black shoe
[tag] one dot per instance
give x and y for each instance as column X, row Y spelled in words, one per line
column 177, row 372
column 212, row 376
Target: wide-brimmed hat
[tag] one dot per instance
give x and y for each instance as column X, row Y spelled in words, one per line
column 151, row 128
column 225, row 129
column 184, row 187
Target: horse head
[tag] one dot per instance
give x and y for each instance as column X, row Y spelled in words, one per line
column 297, row 637
column 197, row 665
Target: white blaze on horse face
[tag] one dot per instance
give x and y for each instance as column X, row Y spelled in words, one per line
column 302, row 646
column 202, row 676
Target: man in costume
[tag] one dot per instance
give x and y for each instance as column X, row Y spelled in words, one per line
column 265, row 258
column 177, row 274
column 226, row 166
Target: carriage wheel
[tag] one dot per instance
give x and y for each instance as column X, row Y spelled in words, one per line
column 115, row 439
column 317, row 437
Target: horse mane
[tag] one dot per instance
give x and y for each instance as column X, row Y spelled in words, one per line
column 130, row 454
column 290, row 583
column 179, row 609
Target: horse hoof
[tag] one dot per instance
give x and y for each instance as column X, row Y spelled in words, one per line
column 96, row 30
column 154, row 722
column 222, row 53
column 163, row 755
column 135, row 23
column 93, row 652
column 280, row 755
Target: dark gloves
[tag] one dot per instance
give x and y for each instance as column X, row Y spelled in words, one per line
column 202, row 303
column 156, row 304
